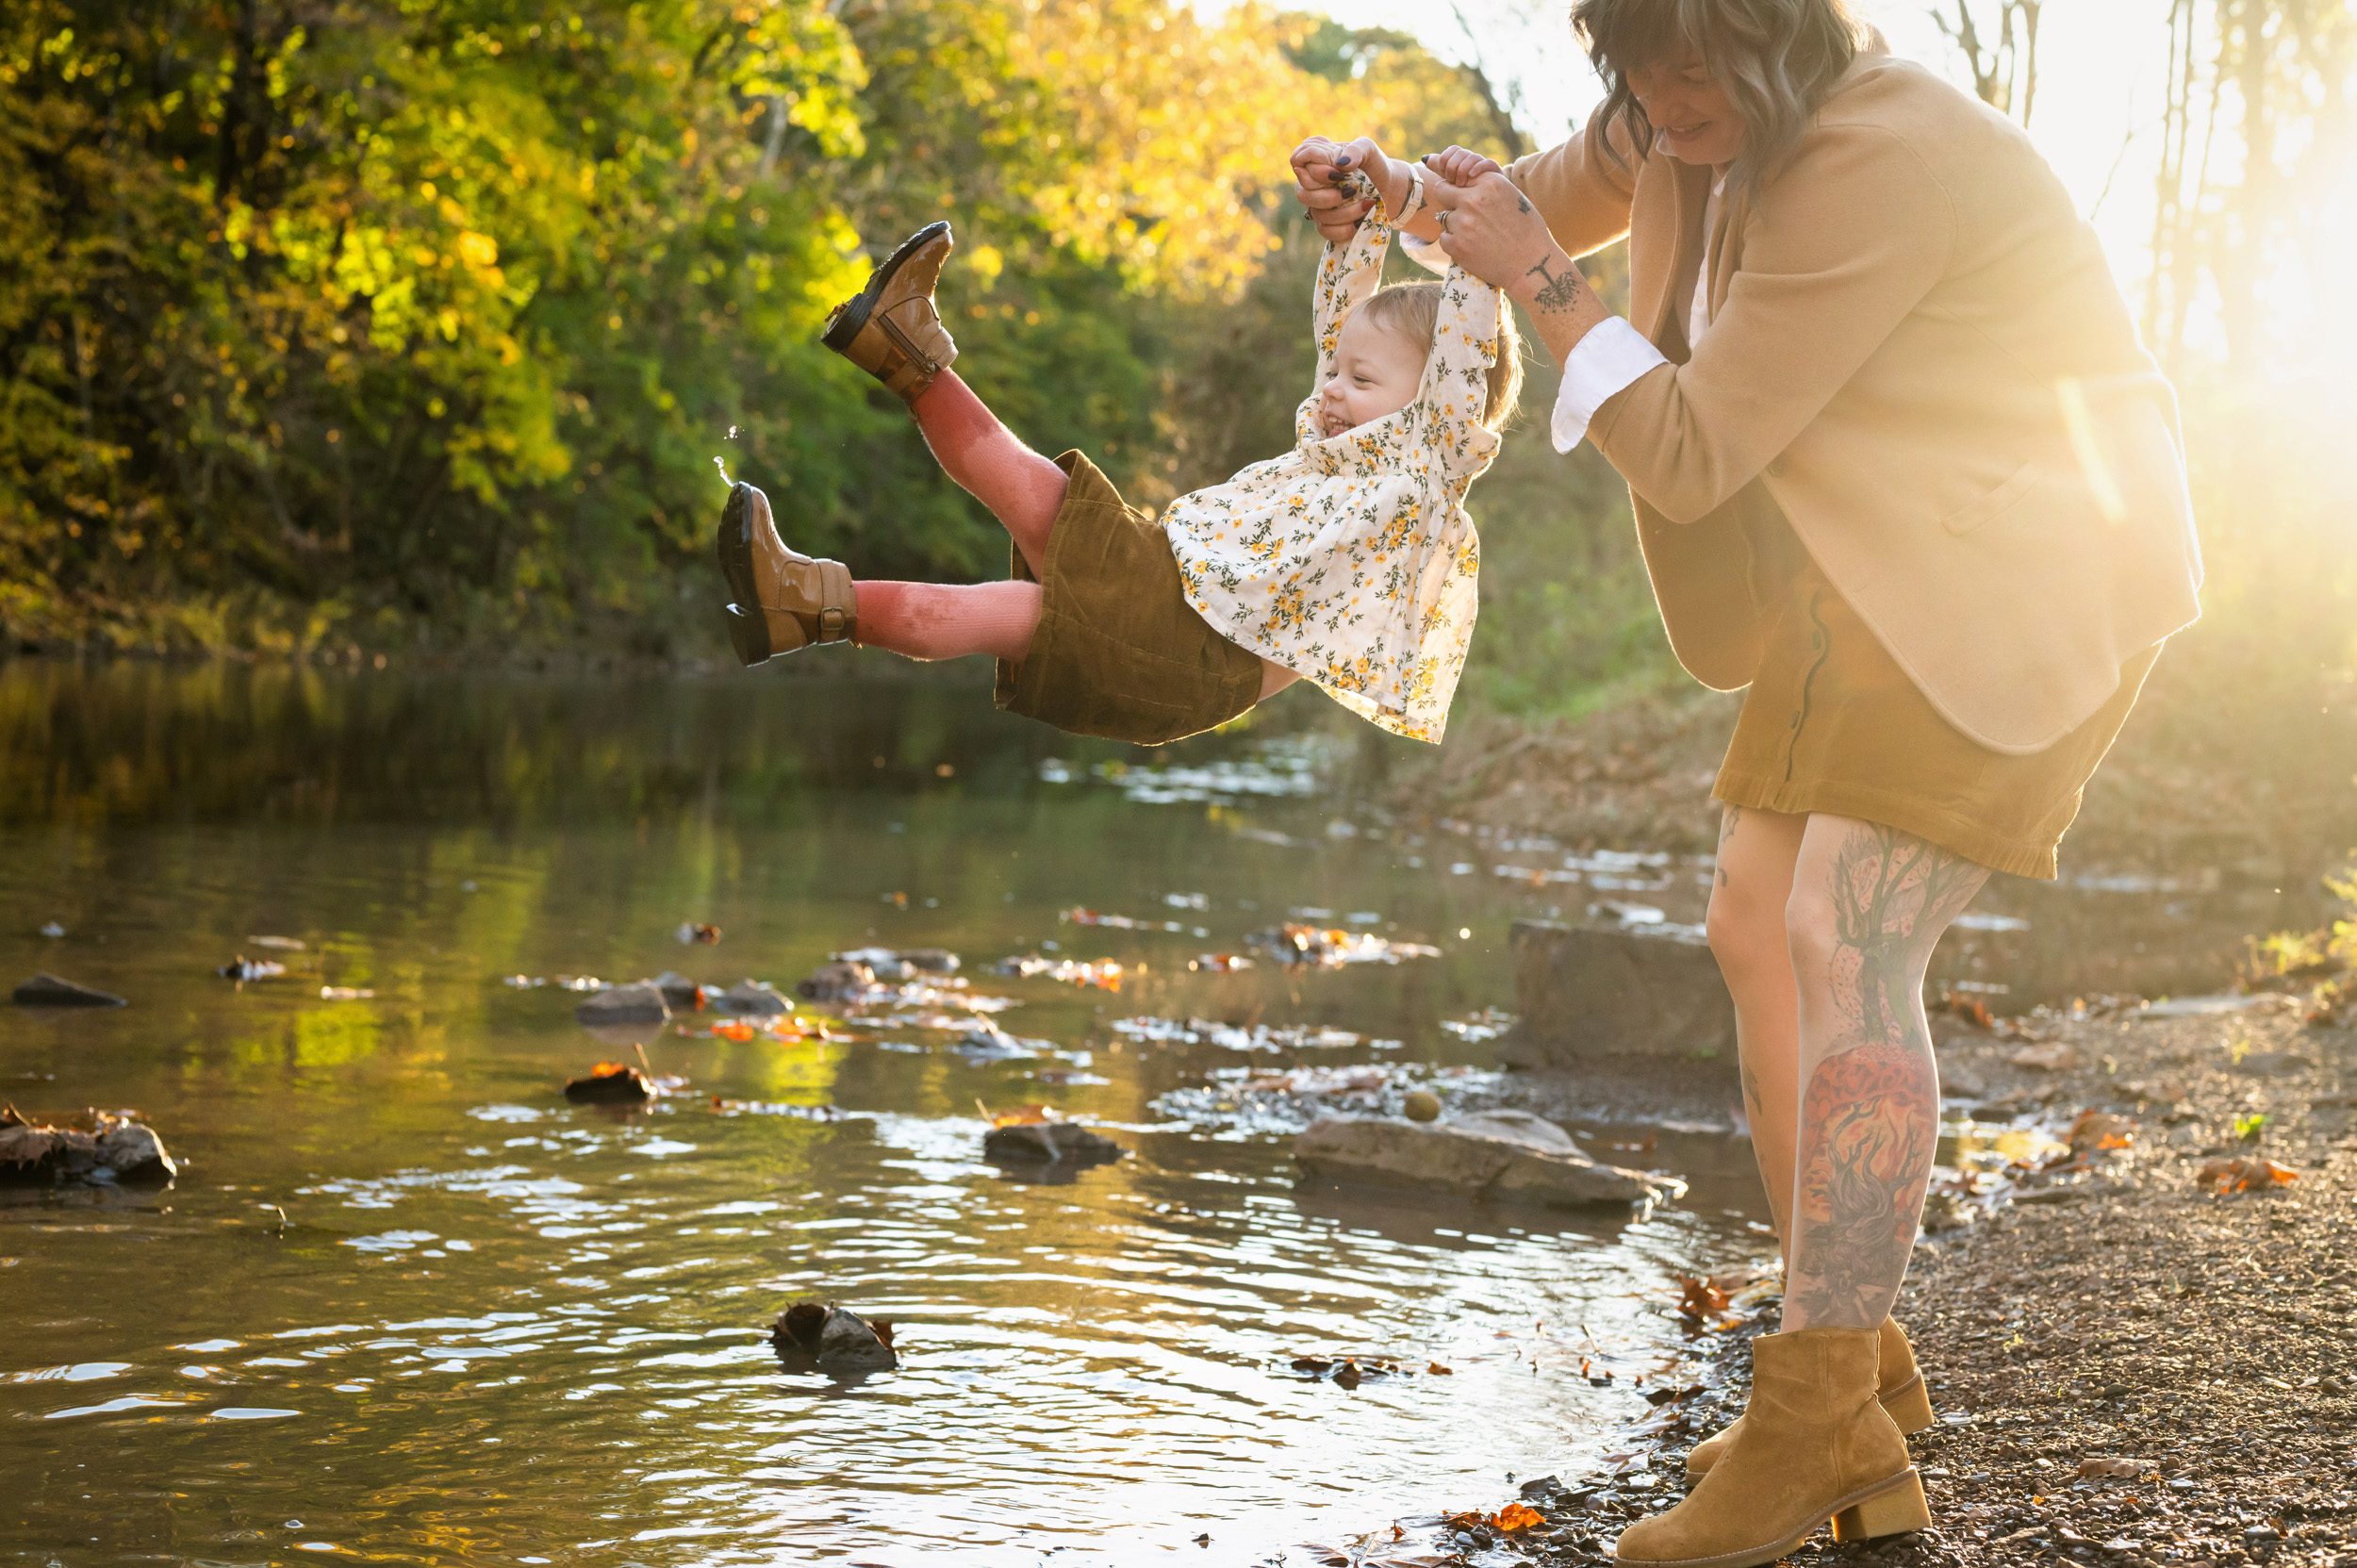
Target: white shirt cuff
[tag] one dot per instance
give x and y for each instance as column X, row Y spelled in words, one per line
column 1611, row 355
column 1425, row 254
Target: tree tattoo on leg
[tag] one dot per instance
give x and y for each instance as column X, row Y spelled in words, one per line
column 1870, row 1117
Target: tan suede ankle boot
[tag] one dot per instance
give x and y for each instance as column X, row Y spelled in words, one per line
column 1815, row 1446
column 1899, row 1385
column 783, row 600
column 890, row 328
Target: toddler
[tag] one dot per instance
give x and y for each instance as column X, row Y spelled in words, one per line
column 1348, row 561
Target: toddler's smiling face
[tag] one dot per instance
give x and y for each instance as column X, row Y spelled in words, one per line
column 1376, row 371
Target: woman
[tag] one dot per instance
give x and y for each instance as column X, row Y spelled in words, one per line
column 1901, row 467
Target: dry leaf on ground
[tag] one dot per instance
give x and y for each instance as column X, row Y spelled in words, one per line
column 2244, row 1174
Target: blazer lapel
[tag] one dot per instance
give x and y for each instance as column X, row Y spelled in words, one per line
column 1690, row 189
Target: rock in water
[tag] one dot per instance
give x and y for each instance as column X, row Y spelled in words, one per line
column 121, row 1150
column 1631, row 991
column 821, row 1334
column 751, row 998
column 1049, row 1142
column 841, row 981
column 1507, row 1155
column 641, row 1003
column 613, row 1083
column 47, row 990
column 1422, row 1105
column 680, row 994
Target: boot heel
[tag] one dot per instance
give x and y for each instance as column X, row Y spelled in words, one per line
column 748, row 636
column 1910, row 1407
column 1895, row 1510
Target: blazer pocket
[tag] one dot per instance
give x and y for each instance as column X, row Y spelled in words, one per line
column 1982, row 507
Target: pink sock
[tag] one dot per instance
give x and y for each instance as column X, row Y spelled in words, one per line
column 948, row 620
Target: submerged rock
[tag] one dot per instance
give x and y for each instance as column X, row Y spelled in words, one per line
column 1507, row 1155
column 121, row 1151
column 48, row 990
column 751, row 998
column 613, row 1083
column 832, row 1338
column 1627, row 991
column 680, row 994
column 642, row 1003
column 1049, row 1143
column 243, row 969
column 894, row 965
column 841, row 981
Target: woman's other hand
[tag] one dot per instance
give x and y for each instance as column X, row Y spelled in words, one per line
column 1491, row 229
column 1460, row 165
column 1319, row 167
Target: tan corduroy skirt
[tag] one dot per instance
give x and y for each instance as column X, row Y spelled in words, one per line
column 1119, row 651
column 1831, row 723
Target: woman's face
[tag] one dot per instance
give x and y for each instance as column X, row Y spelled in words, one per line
column 1693, row 121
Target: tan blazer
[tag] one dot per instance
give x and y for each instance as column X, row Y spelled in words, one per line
column 1917, row 352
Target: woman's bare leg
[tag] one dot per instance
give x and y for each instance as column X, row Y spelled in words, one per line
column 1749, row 890
column 946, row 620
column 1869, row 904
column 1023, row 491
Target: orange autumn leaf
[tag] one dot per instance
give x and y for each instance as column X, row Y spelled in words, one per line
column 1512, row 1517
column 1699, row 1299
column 609, row 1069
column 1022, row 1115
column 737, row 1030
column 2246, row 1172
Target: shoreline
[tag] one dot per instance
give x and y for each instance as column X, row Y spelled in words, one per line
column 2128, row 1366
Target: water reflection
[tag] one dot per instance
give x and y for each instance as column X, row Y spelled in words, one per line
column 405, row 1302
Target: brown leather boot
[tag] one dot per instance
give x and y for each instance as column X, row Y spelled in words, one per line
column 783, row 599
column 890, row 328
column 1816, row 1446
column 1898, row 1384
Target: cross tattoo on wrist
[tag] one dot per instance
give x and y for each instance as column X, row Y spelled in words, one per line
column 1555, row 293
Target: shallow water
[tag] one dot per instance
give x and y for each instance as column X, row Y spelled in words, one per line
column 493, row 1328
column 403, row 1302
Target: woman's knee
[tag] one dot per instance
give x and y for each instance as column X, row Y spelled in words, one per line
column 1746, row 932
column 1811, row 931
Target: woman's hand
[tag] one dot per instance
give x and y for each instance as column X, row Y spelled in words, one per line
column 1319, row 166
column 1491, row 229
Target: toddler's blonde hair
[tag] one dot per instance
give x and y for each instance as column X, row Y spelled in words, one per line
column 1413, row 312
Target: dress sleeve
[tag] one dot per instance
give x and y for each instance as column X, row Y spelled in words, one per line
column 1456, row 388
column 1351, row 273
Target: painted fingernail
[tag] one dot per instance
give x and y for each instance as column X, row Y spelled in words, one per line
column 1342, row 161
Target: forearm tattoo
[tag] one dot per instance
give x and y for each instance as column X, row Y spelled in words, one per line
column 1870, row 1118
column 1556, row 293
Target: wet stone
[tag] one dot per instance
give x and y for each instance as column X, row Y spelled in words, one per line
column 48, row 990
column 1585, row 993
column 1504, row 1155
column 841, row 981
column 751, row 998
column 121, row 1151
column 822, row 1335
column 1049, row 1143
column 614, row 1085
column 642, row 1003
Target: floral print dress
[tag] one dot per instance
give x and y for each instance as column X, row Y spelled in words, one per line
column 1350, row 560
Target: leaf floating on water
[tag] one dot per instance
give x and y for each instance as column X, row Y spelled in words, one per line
column 1700, row 1300
column 1513, row 1517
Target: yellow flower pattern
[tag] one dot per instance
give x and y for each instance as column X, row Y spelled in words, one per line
column 1350, row 560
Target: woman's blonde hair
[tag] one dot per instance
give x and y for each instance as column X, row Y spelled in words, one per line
column 1413, row 312
column 1777, row 59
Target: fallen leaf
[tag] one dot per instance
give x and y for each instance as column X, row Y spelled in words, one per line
column 1437, row 1370
column 1972, row 1010
column 2246, row 1172
column 1699, row 1299
column 2099, row 1130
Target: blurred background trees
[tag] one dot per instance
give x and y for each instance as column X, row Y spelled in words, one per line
column 402, row 323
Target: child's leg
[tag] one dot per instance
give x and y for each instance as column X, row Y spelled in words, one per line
column 945, row 621
column 1023, row 491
